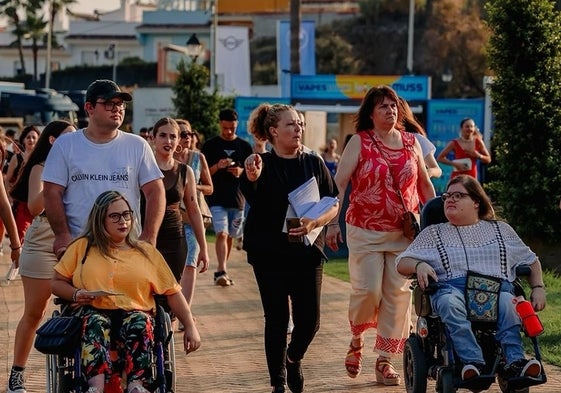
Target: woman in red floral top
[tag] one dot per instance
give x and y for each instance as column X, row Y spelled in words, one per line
column 375, row 156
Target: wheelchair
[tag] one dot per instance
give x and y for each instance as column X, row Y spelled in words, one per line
column 429, row 354
column 64, row 371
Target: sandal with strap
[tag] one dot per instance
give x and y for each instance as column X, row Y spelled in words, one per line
column 353, row 361
column 385, row 373
column 137, row 387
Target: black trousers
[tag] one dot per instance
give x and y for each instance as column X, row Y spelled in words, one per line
column 280, row 280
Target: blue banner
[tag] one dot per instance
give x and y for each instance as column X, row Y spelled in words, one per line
column 307, row 52
column 338, row 87
column 443, row 125
column 245, row 105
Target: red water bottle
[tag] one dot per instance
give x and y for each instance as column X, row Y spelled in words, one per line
column 530, row 320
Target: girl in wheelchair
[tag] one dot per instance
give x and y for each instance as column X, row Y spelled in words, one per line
column 474, row 241
column 112, row 277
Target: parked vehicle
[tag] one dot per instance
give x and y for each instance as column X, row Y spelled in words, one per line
column 39, row 107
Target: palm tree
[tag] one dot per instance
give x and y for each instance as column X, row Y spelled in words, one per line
column 35, row 29
column 295, row 18
column 10, row 9
column 56, row 6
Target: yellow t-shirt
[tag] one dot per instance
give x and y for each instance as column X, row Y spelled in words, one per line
column 128, row 273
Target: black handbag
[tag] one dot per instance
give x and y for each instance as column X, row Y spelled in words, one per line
column 60, row 335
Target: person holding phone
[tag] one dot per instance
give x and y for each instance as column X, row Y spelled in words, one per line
column 225, row 154
column 286, row 269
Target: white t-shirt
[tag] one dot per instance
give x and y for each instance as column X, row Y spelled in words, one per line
column 427, row 146
column 87, row 169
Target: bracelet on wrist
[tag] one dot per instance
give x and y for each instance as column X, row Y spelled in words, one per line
column 75, row 295
column 538, row 286
column 417, row 265
column 14, row 248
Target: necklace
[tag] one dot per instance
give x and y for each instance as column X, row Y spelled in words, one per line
column 166, row 165
column 465, row 139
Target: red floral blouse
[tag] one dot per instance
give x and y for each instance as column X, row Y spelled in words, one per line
column 374, row 203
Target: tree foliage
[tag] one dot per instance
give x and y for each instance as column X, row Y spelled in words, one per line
column 449, row 34
column 194, row 103
column 525, row 54
column 453, row 41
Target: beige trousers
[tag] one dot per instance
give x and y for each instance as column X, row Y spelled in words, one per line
column 380, row 296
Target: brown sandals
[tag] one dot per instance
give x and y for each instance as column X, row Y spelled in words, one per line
column 353, row 361
column 385, row 373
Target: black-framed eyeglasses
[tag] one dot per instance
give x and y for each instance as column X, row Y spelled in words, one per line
column 110, row 105
column 454, row 196
column 185, row 134
column 116, row 217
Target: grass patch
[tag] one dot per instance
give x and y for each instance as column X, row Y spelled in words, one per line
column 549, row 341
column 210, row 236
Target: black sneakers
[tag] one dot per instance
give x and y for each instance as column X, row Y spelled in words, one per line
column 523, row 368
column 470, row 371
column 222, row 279
column 15, row 383
column 294, row 376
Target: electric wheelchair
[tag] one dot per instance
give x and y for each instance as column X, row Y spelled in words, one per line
column 64, row 372
column 429, row 354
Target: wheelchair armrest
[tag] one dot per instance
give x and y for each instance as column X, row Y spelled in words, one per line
column 523, row 271
column 61, row 302
column 432, row 287
column 429, row 289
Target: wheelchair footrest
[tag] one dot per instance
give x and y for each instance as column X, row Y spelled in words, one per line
column 482, row 382
column 524, row 382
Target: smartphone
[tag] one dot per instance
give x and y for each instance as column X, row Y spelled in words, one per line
column 294, row 222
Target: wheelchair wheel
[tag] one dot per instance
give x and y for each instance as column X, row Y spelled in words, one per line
column 169, row 356
column 414, row 366
column 53, row 370
column 503, row 385
column 52, row 374
column 447, row 382
column 165, row 354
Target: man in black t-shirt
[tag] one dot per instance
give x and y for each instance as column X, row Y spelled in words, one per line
column 225, row 155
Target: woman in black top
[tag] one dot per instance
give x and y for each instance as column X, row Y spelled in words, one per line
column 180, row 186
column 285, row 271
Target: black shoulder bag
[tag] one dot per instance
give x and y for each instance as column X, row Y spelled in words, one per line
column 60, row 334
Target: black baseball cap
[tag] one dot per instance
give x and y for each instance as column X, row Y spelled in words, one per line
column 105, row 89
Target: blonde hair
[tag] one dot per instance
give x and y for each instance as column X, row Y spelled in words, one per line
column 264, row 117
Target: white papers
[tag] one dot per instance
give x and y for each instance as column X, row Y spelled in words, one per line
column 12, row 272
column 465, row 162
column 101, row 292
column 305, row 201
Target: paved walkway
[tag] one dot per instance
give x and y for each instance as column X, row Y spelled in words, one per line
column 232, row 358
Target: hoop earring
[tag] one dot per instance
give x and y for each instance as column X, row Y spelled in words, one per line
column 180, row 149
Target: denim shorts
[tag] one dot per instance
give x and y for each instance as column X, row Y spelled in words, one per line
column 227, row 220
column 192, row 246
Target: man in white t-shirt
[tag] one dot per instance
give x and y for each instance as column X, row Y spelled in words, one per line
column 83, row 164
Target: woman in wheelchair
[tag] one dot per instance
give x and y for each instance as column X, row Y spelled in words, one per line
column 112, row 277
column 473, row 240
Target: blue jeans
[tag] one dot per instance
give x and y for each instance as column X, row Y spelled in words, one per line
column 449, row 303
